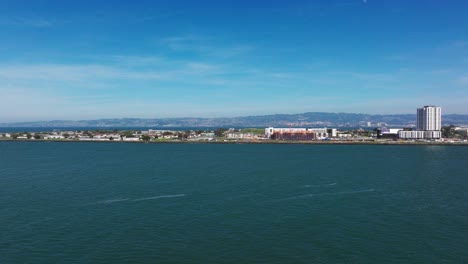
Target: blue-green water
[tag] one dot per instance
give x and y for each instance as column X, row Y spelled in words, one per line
column 209, row 203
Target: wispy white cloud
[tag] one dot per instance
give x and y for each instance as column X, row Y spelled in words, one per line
column 157, row 16
column 460, row 44
column 206, row 87
column 374, row 77
column 230, row 51
column 27, row 22
column 116, row 72
column 138, row 60
column 184, row 43
column 77, row 73
column 452, row 46
column 396, row 57
column 204, row 45
column 202, row 68
column 442, row 71
column 463, row 80
column 281, row 75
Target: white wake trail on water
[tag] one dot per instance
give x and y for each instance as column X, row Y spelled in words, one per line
column 139, row 199
column 158, row 197
column 327, row 194
column 320, row 185
column 113, row 201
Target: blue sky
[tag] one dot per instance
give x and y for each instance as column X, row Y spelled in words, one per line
column 110, row 59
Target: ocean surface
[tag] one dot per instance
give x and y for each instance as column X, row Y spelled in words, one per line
column 209, row 203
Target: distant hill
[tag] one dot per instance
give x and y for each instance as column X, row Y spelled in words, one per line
column 311, row 119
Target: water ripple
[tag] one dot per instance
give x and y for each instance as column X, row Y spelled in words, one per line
column 328, row 194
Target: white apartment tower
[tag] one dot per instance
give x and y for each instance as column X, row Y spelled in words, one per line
column 428, row 118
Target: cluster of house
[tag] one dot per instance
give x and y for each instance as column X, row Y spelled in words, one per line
column 428, row 127
column 69, row 135
column 271, row 133
column 150, row 134
column 359, row 134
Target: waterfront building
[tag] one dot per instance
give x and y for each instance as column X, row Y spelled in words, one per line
column 428, row 124
column 237, row 135
column 388, row 133
column 332, row 132
column 419, row 134
column 54, row 137
column 295, row 133
column 462, row 131
column 428, row 118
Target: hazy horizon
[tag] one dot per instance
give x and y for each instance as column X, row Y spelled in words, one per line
column 85, row 60
column 200, row 117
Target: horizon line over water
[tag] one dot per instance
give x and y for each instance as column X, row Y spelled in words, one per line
column 209, row 203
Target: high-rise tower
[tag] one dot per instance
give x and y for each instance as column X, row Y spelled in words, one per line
column 428, row 118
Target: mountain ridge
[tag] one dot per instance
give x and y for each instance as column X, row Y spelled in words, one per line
column 309, row 119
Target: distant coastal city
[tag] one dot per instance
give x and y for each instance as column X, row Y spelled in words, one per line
column 428, row 130
column 305, row 131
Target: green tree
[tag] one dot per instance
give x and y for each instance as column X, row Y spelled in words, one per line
column 14, row 136
column 448, row 131
column 128, row 134
column 66, row 135
column 37, row 136
column 111, row 138
column 219, row 132
column 29, row 136
column 146, row 138
column 256, row 131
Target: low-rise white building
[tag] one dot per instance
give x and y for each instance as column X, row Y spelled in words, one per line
column 106, row 137
column 235, row 135
column 462, row 131
column 344, row 135
column 130, row 139
column 419, row 134
column 53, row 137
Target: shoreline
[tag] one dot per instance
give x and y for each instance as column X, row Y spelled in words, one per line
column 265, row 142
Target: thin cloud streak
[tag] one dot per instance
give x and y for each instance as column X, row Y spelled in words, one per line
column 92, row 72
column 204, row 45
column 27, row 22
column 463, row 80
